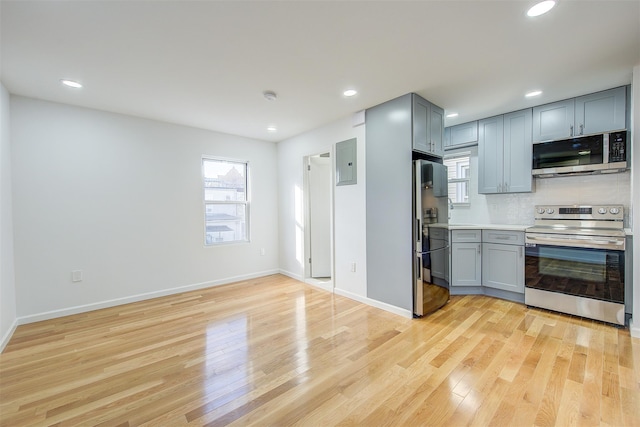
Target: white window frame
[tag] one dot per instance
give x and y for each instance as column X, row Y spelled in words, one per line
column 246, row 203
column 466, row 180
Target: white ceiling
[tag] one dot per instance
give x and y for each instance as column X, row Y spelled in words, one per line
column 207, row 63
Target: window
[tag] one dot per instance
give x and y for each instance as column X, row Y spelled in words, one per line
column 458, row 177
column 226, row 204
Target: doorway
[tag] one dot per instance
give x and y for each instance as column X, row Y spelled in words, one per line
column 319, row 220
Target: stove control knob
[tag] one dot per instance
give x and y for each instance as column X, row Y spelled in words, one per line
column 614, row 211
column 603, row 211
column 540, row 210
column 550, row 211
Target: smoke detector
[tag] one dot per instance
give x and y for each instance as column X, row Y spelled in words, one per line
column 269, row 95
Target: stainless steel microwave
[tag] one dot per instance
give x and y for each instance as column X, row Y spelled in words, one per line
column 590, row 154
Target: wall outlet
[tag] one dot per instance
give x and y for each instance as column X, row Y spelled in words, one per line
column 353, row 267
column 76, row 276
column 263, row 251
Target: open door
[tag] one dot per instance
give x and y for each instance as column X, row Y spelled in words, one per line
column 319, row 214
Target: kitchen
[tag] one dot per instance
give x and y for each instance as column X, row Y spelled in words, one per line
column 498, row 269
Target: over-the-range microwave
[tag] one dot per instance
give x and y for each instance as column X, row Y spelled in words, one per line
column 589, row 154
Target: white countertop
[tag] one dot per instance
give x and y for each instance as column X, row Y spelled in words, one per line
column 506, row 227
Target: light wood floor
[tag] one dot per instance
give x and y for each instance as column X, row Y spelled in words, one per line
column 275, row 352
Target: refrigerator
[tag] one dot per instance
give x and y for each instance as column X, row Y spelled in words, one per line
column 430, row 237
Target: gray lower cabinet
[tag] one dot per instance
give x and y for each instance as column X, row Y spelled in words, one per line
column 466, row 258
column 504, row 153
column 594, row 113
column 503, row 260
column 466, row 262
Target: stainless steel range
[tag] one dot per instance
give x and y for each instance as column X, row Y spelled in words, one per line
column 575, row 263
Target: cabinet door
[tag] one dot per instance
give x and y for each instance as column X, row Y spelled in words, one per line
column 517, row 152
column 436, row 130
column 503, row 267
column 466, row 265
column 490, row 155
column 553, row 121
column 461, row 135
column 420, row 119
column 601, row 112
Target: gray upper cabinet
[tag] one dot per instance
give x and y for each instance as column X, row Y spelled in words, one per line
column 504, row 153
column 462, row 135
column 597, row 112
column 553, row 121
column 428, row 126
column 436, row 130
column 602, row 111
column 490, row 157
column 517, row 152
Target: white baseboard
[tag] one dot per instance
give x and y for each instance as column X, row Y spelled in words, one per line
column 325, row 286
column 7, row 336
column 377, row 304
column 298, row 277
column 634, row 328
column 135, row 298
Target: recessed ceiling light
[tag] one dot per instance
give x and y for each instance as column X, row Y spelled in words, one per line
column 350, row 92
column 533, row 93
column 451, row 115
column 71, row 83
column 272, row 129
column 541, row 8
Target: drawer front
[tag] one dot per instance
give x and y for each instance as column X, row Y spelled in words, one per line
column 504, row 237
column 466, row 236
column 438, row 233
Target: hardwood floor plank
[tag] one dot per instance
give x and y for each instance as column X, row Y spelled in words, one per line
column 274, row 351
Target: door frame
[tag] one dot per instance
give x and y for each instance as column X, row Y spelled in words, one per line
column 330, row 284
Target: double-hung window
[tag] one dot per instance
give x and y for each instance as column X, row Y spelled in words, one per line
column 226, row 201
column 458, row 177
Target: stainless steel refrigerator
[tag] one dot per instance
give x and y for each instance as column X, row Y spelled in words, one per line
column 430, row 237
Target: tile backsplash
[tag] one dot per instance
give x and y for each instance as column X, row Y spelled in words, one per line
column 518, row 208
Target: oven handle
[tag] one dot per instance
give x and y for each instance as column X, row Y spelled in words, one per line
column 588, row 242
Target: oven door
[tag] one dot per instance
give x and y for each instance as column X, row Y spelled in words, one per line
column 582, row 275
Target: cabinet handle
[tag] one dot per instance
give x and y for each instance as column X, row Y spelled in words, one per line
column 581, row 128
column 570, row 130
column 479, row 250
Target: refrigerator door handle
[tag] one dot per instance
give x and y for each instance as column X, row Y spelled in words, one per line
column 434, row 250
column 418, row 294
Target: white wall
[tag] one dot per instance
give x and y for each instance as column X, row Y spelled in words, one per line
column 8, row 314
column 120, row 198
column 349, row 207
